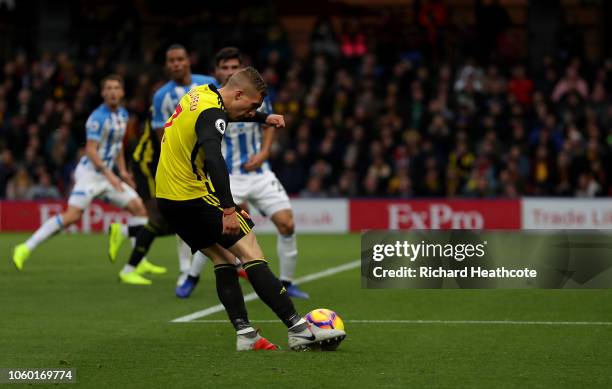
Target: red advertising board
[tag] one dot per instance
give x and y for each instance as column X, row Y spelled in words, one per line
column 434, row 214
column 28, row 215
column 361, row 215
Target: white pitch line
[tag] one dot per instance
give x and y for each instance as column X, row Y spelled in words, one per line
column 252, row 296
column 485, row 322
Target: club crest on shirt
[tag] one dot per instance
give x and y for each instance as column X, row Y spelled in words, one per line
column 93, row 125
column 220, row 126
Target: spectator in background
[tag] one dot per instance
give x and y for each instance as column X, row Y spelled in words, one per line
column 19, row 185
column 44, row 189
column 492, row 20
column 478, row 186
column 470, row 77
column 379, row 170
column 400, row 185
column 520, row 86
column 371, row 186
column 276, row 51
column 7, row 169
column 570, row 83
column 433, row 18
column 323, row 39
column 314, row 188
column 543, row 171
column 362, row 120
column 564, row 182
column 587, row 186
column 60, row 147
column 599, row 92
column 292, row 172
column 347, row 185
column 353, row 40
column 460, row 162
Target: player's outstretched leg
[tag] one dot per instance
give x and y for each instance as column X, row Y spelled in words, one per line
column 270, row 290
column 118, row 233
column 132, row 272
column 286, row 248
column 184, row 258
column 230, row 295
column 53, row 225
column 185, row 289
column 193, row 277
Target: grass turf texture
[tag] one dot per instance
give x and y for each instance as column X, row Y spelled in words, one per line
column 66, row 309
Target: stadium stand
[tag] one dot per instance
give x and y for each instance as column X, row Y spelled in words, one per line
column 402, row 115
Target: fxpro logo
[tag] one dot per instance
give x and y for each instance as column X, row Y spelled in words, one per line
column 435, row 216
column 95, row 218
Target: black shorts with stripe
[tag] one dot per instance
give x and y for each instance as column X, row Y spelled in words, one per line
column 199, row 221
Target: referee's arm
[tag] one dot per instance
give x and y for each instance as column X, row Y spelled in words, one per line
column 210, row 128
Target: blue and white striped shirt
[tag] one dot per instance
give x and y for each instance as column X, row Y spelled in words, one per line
column 167, row 97
column 108, row 128
column 242, row 141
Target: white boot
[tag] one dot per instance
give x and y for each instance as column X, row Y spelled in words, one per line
column 312, row 336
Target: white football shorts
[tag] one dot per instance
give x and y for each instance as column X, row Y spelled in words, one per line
column 264, row 191
column 90, row 185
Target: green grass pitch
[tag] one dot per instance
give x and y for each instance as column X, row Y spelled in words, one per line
column 66, row 309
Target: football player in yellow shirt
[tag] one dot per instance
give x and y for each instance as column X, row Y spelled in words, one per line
column 193, row 193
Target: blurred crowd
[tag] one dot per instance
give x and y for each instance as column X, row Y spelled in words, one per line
column 391, row 116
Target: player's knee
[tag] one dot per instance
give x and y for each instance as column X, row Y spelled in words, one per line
column 218, row 255
column 151, row 207
column 162, row 226
column 286, row 225
column 137, row 208
column 71, row 216
column 287, row 228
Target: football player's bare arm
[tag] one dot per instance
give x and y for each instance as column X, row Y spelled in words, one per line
column 123, row 172
column 258, row 159
column 91, row 149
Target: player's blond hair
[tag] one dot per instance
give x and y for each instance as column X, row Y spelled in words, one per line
column 248, row 76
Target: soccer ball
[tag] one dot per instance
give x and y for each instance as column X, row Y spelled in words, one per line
column 327, row 319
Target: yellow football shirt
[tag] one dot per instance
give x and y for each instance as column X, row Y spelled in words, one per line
column 181, row 173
